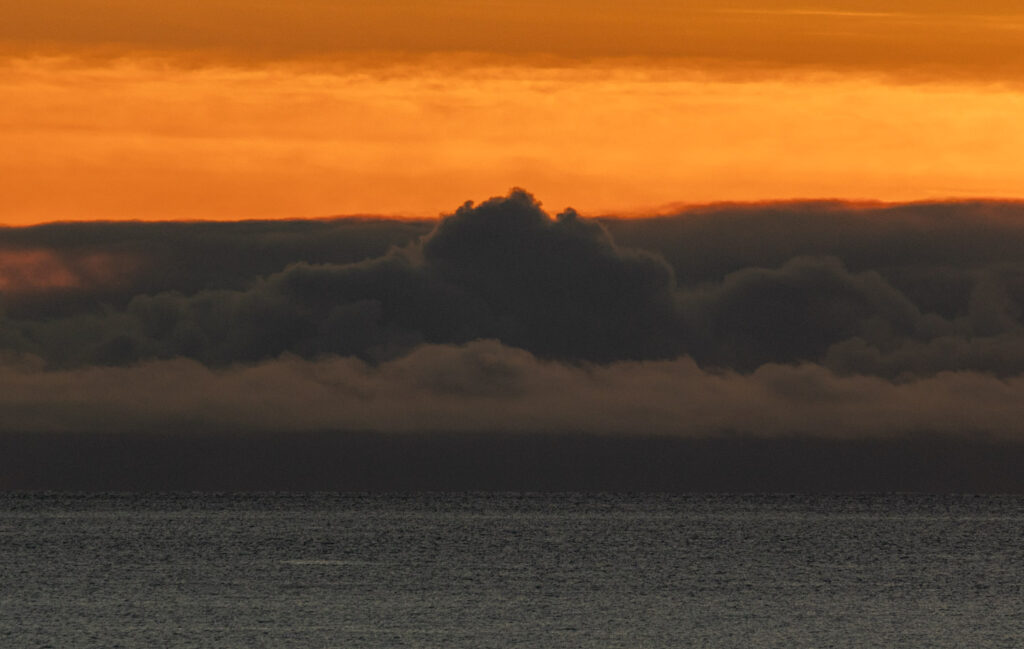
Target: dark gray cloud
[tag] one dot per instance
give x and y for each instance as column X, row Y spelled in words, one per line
column 796, row 312
column 505, row 269
column 561, row 287
column 707, row 243
column 808, row 345
column 894, row 291
column 109, row 263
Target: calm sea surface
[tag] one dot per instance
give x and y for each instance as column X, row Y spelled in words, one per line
column 485, row 570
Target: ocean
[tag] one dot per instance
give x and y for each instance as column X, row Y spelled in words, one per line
column 510, row 570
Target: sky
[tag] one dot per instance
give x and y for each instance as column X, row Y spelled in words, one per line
column 738, row 245
column 111, row 109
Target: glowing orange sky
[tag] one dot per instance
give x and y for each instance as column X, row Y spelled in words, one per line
column 225, row 110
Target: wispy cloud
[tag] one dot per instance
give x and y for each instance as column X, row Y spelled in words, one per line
column 796, row 11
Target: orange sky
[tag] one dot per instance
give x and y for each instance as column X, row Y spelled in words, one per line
column 112, row 109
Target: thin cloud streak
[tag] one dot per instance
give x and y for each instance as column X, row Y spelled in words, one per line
column 821, row 12
column 907, row 38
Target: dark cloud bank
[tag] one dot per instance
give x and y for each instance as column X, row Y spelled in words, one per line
column 736, row 347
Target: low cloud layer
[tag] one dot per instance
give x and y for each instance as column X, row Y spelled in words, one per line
column 820, row 319
column 487, row 387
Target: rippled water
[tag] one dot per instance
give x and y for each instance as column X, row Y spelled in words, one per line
column 291, row 570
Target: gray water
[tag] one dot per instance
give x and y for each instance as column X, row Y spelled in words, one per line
column 486, row 570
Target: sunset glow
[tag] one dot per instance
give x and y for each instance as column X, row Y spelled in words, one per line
column 125, row 111
column 784, row 237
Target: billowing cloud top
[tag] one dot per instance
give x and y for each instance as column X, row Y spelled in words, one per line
column 765, row 319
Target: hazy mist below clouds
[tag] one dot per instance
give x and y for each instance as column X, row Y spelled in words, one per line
column 487, row 387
